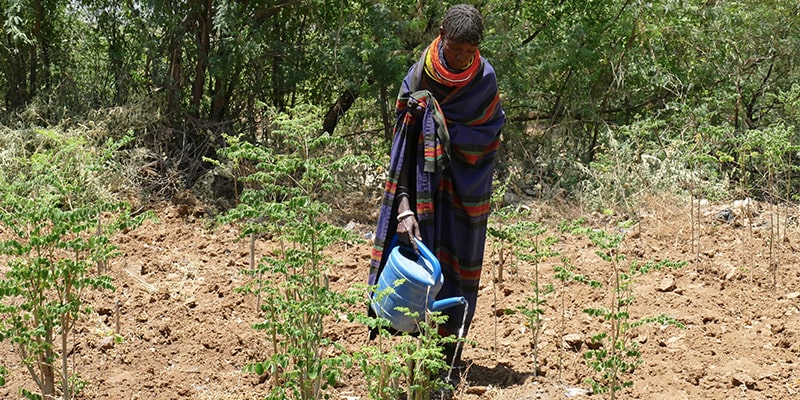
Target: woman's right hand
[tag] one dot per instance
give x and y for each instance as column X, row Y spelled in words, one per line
column 407, row 225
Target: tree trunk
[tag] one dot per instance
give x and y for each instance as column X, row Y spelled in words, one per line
column 221, row 96
column 46, row 367
column 205, row 18
column 174, row 85
column 37, row 33
column 225, row 82
column 219, row 101
column 17, row 82
column 277, row 77
column 337, row 110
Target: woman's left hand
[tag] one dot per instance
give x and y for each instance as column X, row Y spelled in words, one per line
column 407, row 226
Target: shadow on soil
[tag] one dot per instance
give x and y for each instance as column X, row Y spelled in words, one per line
column 501, row 375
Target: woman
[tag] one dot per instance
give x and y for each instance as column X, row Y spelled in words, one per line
column 442, row 160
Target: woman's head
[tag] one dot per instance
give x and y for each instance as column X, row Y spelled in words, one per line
column 462, row 23
column 461, row 32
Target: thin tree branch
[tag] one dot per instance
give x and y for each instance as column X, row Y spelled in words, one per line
column 261, row 15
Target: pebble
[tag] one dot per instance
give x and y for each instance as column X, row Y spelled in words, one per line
column 574, row 392
column 574, row 341
column 733, row 273
column 106, row 343
column 673, row 341
column 667, row 284
column 741, row 378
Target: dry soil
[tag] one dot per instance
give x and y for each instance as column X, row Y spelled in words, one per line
column 187, row 333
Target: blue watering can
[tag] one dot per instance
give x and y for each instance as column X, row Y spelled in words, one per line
column 422, row 280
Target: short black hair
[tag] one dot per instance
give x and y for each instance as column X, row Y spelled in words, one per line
column 463, row 23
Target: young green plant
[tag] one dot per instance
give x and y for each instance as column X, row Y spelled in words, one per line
column 614, row 355
column 567, row 273
column 509, row 232
column 284, row 196
column 404, row 366
column 529, row 248
column 53, row 244
column 516, row 237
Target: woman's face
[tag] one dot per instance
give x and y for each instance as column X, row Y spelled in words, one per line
column 458, row 54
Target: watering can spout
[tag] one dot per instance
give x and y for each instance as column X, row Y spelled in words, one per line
column 449, row 302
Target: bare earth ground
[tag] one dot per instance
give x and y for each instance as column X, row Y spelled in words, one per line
column 187, row 333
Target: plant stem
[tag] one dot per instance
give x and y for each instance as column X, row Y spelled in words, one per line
column 116, row 316
column 615, row 325
column 536, row 321
column 64, row 356
column 494, row 314
column 563, row 329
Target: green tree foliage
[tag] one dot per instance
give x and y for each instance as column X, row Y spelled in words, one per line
column 572, row 73
column 30, row 48
column 578, row 71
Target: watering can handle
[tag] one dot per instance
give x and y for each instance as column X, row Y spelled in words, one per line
column 428, row 255
column 425, row 253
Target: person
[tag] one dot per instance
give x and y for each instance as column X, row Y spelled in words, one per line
column 439, row 184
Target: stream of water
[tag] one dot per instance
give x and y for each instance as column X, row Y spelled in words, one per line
column 459, row 342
